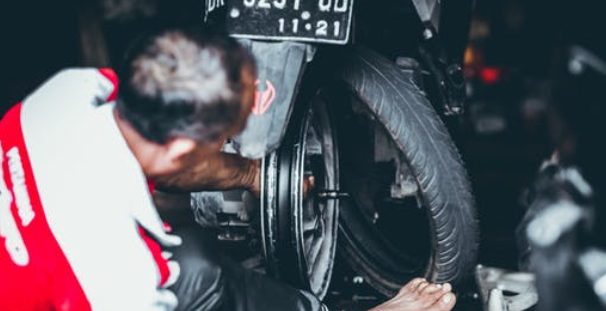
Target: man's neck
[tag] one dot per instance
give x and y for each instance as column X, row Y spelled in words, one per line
column 142, row 149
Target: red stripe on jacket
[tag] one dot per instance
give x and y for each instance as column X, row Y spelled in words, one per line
column 46, row 281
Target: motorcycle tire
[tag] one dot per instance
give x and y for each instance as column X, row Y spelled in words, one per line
column 397, row 104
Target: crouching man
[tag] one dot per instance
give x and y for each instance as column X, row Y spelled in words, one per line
column 78, row 227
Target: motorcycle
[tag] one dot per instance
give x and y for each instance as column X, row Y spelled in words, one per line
column 356, row 158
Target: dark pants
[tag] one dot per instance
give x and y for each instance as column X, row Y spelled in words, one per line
column 210, row 281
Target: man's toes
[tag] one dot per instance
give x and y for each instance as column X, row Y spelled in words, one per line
column 430, row 289
column 419, row 289
column 446, row 287
column 411, row 286
column 428, row 299
column 445, row 303
column 432, row 292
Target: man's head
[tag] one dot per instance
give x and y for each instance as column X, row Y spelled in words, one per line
column 187, row 89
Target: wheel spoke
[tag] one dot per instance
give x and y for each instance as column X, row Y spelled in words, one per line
column 314, row 250
column 310, row 226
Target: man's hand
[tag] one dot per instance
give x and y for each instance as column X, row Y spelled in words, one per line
column 420, row 295
column 222, row 171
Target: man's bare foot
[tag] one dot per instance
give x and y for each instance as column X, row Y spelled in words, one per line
column 420, row 295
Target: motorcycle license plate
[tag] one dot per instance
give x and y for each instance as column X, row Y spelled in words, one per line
column 324, row 21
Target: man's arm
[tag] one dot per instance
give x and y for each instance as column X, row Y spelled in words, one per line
column 218, row 172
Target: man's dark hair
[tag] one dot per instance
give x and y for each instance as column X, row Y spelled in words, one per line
column 184, row 83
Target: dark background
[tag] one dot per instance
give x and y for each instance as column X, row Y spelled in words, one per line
column 503, row 137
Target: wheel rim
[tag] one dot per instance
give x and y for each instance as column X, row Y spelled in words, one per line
column 300, row 232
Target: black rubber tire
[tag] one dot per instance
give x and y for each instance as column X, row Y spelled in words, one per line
column 409, row 118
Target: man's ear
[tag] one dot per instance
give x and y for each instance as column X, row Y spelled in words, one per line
column 178, row 147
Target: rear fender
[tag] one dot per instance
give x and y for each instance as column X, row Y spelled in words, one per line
column 280, row 66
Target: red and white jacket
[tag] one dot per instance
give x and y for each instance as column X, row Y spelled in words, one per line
column 78, row 227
